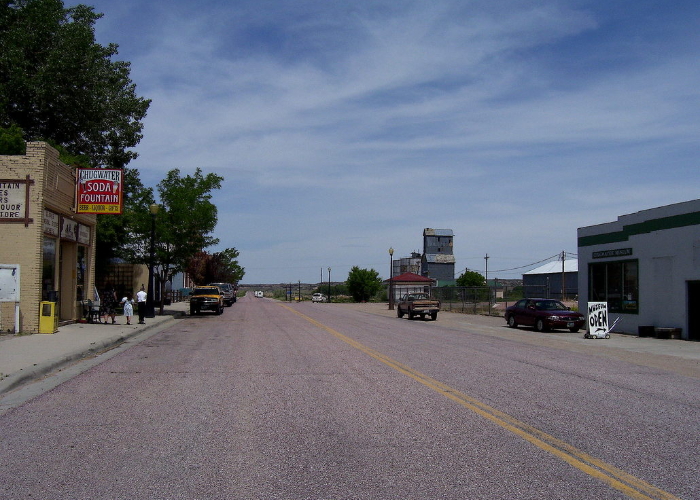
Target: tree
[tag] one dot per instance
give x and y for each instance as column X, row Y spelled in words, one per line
column 58, row 84
column 471, row 278
column 219, row 267
column 363, row 284
column 12, row 141
column 183, row 225
column 122, row 236
column 185, row 220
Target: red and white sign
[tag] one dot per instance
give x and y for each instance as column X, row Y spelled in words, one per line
column 99, row 191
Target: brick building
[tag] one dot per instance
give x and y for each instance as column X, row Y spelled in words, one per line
column 43, row 240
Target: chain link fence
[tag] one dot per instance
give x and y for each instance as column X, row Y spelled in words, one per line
column 493, row 300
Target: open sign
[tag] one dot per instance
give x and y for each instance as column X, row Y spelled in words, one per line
column 598, row 320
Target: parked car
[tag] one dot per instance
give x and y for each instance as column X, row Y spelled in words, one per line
column 228, row 292
column 206, row 298
column 259, row 294
column 319, row 297
column 544, row 314
column 418, row 304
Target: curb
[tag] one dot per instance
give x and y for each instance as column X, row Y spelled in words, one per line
column 50, row 366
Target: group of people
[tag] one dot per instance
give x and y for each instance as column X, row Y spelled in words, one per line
column 110, row 302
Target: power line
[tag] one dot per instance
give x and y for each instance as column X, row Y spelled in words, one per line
column 528, row 265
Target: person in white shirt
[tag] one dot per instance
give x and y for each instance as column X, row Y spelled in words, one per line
column 141, row 300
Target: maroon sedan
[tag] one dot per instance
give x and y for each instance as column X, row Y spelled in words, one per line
column 543, row 314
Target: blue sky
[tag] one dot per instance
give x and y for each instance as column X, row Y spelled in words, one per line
column 345, row 128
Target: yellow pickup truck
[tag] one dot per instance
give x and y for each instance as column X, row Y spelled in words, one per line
column 206, row 298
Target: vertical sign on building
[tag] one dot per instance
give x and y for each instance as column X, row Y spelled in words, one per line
column 99, row 190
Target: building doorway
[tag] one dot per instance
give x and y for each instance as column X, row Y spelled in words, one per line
column 67, row 281
column 693, row 308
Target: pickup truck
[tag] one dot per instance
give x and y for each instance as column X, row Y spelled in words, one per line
column 227, row 291
column 418, row 304
column 206, row 298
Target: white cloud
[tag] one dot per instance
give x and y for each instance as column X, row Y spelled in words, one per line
column 341, row 130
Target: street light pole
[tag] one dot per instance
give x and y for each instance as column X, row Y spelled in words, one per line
column 391, row 278
column 150, row 309
column 329, row 285
column 486, row 277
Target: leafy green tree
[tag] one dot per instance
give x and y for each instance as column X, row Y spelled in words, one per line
column 185, row 220
column 12, row 141
column 219, row 267
column 122, row 236
column 363, row 284
column 471, row 278
column 58, row 84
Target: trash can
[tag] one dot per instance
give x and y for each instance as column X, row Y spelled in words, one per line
column 48, row 321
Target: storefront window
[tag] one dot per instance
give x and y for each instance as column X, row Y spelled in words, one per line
column 48, row 275
column 81, row 272
column 616, row 283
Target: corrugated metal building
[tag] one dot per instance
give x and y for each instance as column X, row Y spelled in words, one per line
column 438, row 261
column 407, row 264
column 546, row 281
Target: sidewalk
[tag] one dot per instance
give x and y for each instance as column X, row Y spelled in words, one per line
column 26, row 358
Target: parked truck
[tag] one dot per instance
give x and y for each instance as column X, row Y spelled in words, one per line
column 418, row 304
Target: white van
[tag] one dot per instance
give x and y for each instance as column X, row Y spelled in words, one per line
column 259, row 294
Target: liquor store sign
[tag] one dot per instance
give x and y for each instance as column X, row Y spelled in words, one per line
column 14, row 200
column 99, row 191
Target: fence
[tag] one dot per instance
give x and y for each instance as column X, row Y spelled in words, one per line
column 492, row 300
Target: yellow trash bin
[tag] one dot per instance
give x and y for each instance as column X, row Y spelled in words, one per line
column 48, row 321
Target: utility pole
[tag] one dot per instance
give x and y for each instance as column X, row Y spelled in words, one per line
column 563, row 276
column 488, row 290
column 487, row 269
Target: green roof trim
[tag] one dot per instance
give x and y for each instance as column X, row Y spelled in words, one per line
column 671, row 222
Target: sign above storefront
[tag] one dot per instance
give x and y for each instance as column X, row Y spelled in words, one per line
column 99, row 191
column 69, row 229
column 83, row 234
column 51, row 225
column 619, row 252
column 14, row 200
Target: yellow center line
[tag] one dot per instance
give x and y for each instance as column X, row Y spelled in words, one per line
column 614, row 477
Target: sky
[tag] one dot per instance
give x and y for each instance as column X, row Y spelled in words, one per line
column 342, row 129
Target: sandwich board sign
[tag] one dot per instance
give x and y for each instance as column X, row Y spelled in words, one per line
column 598, row 321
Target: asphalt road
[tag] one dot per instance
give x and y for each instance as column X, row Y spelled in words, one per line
column 320, row 401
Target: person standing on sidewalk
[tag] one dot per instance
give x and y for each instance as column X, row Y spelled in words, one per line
column 141, row 300
column 128, row 302
column 109, row 303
